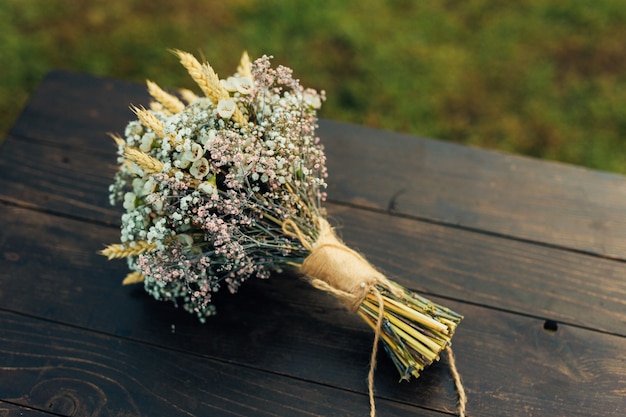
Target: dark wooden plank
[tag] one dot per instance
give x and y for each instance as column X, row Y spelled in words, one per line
column 483, row 269
column 63, row 180
column 78, row 110
column 74, row 372
column 520, row 197
column 505, row 194
column 508, row 362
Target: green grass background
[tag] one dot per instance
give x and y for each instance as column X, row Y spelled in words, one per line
column 545, row 78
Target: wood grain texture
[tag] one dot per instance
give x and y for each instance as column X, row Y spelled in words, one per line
column 12, row 410
column 479, row 268
column 56, row 179
column 73, row 372
column 283, row 326
column 510, row 195
column 71, row 109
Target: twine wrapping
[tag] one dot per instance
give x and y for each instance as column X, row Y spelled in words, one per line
column 333, row 267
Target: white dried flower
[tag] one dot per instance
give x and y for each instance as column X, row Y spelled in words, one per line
column 244, row 85
column 226, row 107
column 195, row 152
column 207, row 188
column 229, row 84
column 200, row 168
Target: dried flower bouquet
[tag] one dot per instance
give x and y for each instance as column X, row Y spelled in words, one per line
column 230, row 185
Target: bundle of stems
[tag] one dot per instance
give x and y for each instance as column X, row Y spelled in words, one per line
column 414, row 329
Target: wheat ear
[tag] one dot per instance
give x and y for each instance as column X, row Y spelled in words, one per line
column 203, row 75
column 149, row 120
column 245, row 66
column 188, row 95
column 120, row 250
column 146, row 162
column 133, row 278
column 118, row 140
column 167, row 100
column 208, row 81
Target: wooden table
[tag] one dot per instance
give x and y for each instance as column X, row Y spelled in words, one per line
column 532, row 253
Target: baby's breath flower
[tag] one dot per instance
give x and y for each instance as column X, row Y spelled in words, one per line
column 129, row 200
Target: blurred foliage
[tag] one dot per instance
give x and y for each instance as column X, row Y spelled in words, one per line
column 539, row 77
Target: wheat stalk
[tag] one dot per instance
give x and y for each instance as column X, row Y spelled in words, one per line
column 203, row 75
column 133, row 278
column 149, row 120
column 188, row 95
column 167, row 100
column 208, row 81
column 245, row 66
column 146, row 162
column 120, row 250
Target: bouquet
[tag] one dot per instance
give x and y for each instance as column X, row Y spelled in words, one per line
column 229, row 185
